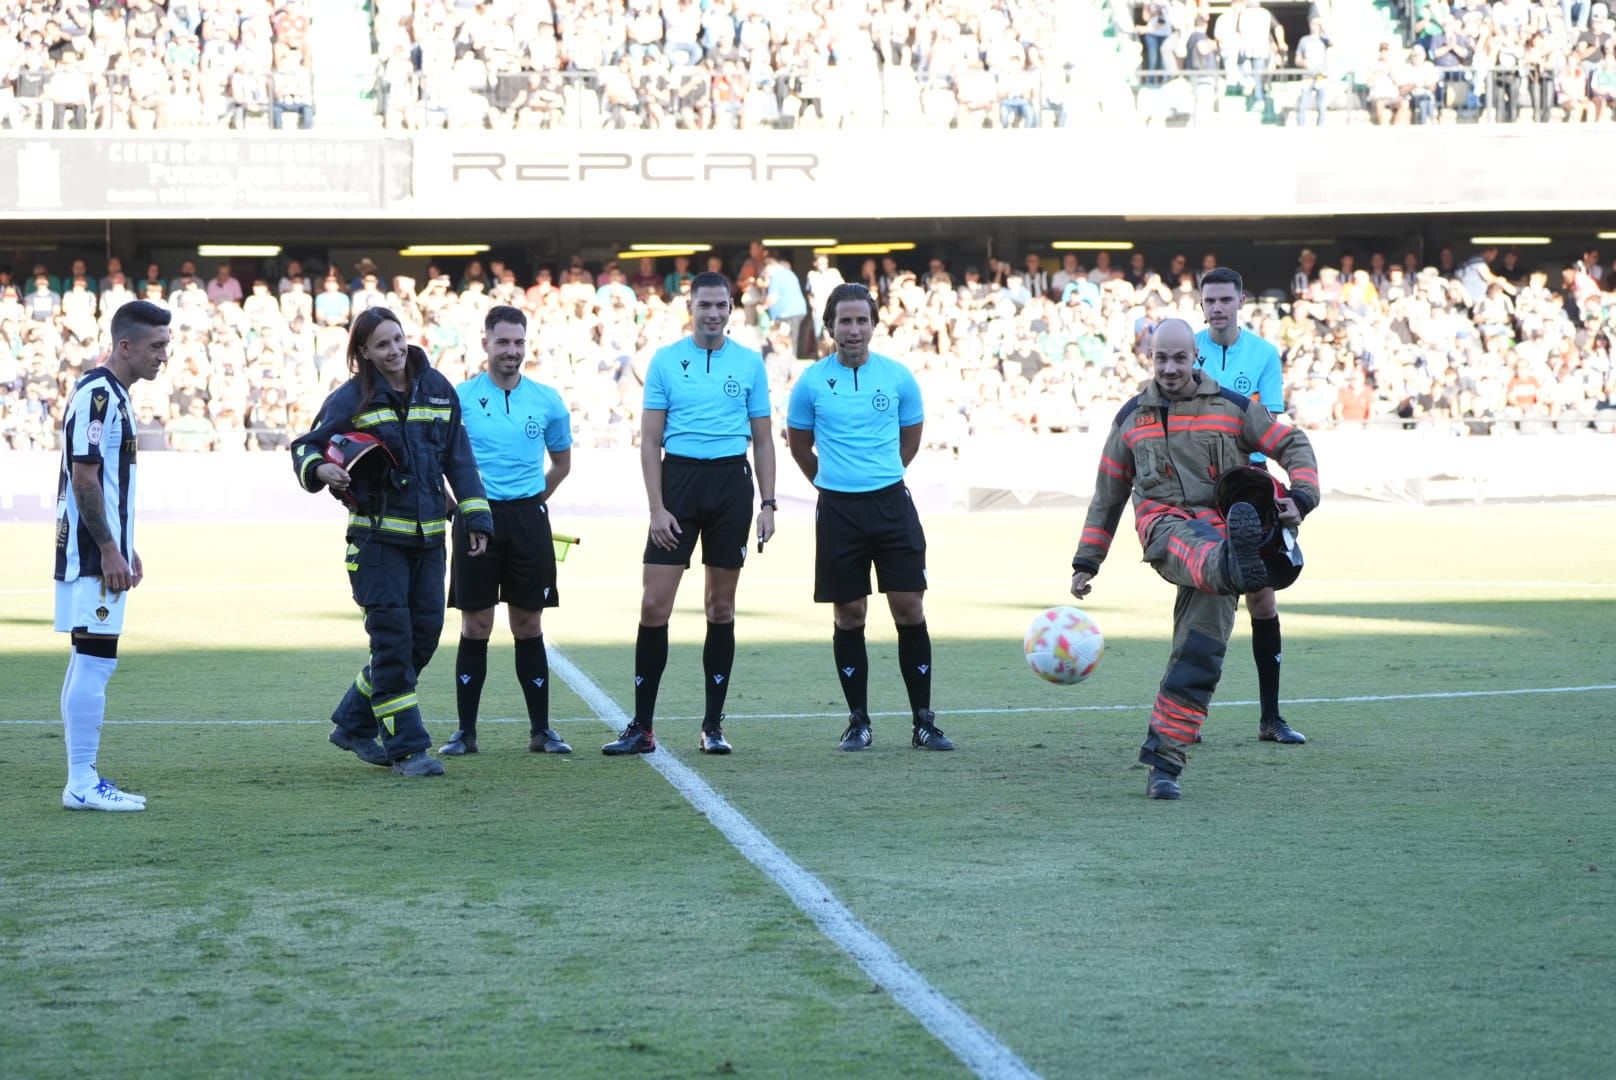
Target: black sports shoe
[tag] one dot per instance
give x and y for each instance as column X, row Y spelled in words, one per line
column 858, row 735
column 1275, row 729
column 547, row 741
column 1161, row 784
column 418, row 764
column 459, row 744
column 928, row 736
column 367, row 750
column 631, row 740
column 1245, row 538
column 712, row 739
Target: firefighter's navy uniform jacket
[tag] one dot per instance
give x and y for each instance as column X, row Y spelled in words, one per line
column 395, row 551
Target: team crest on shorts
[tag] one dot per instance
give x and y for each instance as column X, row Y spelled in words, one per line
column 101, row 613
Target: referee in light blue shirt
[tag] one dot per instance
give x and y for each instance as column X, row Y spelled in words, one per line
column 1247, row 364
column 706, row 398
column 854, row 425
column 512, row 422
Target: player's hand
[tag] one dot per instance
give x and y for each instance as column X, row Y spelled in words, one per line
column 115, row 572
column 137, row 572
column 765, row 525
column 1082, row 583
column 665, row 530
column 332, row 476
column 1289, row 515
column 477, row 544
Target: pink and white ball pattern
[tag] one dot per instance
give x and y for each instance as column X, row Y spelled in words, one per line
column 1063, row 645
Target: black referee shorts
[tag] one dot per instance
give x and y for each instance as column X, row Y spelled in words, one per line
column 853, row 530
column 710, row 498
column 519, row 566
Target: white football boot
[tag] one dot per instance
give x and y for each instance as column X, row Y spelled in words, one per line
column 101, row 797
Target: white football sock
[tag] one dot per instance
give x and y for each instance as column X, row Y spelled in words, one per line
column 84, row 705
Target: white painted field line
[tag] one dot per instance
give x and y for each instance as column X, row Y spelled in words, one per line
column 1432, row 695
column 977, row 1047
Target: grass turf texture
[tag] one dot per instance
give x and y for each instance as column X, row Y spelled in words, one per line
column 1424, row 888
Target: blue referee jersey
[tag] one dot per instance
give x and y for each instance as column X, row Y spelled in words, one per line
column 855, row 414
column 1250, row 366
column 711, row 397
column 510, row 430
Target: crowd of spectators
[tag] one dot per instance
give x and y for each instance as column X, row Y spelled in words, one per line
column 1507, row 61
column 136, row 65
column 701, row 64
column 698, row 64
column 1486, row 345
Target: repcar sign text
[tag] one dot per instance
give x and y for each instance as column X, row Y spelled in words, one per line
column 651, row 167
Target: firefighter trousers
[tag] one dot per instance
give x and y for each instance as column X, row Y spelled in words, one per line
column 1193, row 554
column 401, row 591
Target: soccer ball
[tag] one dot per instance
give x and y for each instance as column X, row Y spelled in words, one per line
column 1063, row 646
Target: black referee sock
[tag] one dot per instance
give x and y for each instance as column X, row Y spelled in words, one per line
column 852, row 667
column 914, row 659
column 533, row 672
column 717, row 660
column 471, row 669
column 650, row 659
column 1266, row 649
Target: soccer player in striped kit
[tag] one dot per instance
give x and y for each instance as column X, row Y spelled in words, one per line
column 97, row 564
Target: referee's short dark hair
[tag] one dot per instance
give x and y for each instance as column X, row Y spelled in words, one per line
column 1222, row 275
column 504, row 313
column 851, row 290
column 711, row 279
column 138, row 313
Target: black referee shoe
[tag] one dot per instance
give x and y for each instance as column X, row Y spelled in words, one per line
column 712, row 739
column 858, row 735
column 547, row 741
column 631, row 740
column 928, row 736
column 1275, row 729
column 459, row 744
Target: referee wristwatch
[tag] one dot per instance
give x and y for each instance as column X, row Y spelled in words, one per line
column 768, row 504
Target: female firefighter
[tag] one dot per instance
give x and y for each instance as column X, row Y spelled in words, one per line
column 384, row 443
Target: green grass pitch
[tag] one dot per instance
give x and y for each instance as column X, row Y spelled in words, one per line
column 1425, row 889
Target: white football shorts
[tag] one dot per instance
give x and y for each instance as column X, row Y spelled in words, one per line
column 87, row 604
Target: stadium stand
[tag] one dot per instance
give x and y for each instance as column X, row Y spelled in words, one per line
column 1388, row 343
column 645, row 64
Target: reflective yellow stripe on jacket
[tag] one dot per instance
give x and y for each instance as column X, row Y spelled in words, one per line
column 404, row 526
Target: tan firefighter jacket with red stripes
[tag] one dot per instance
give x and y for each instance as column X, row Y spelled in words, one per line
column 1169, row 454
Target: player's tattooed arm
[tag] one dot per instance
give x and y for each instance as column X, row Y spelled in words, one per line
column 92, row 510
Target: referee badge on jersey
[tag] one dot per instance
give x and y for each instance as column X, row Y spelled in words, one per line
column 880, row 401
column 1243, row 385
column 533, row 429
column 732, row 387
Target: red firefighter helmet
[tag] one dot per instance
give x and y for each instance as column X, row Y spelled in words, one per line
column 369, row 465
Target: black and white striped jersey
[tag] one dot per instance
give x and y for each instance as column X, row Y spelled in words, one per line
column 99, row 430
